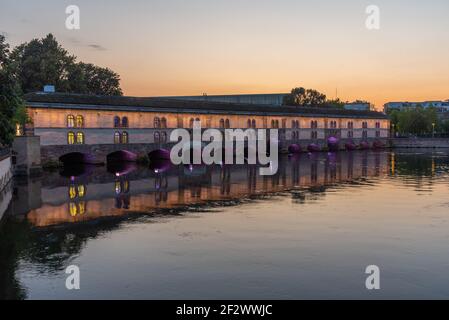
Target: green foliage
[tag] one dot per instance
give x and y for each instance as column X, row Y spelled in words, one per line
column 309, row 97
column 44, row 61
column 444, row 126
column 336, row 103
column 11, row 103
column 39, row 62
column 90, row 79
column 305, row 97
column 415, row 120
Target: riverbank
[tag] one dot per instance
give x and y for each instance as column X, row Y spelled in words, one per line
column 428, row 143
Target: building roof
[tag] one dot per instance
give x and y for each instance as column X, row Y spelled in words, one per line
column 139, row 104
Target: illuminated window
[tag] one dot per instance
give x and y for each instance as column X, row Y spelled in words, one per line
column 116, row 122
column 79, row 121
column 125, row 186
column 19, row 130
column 72, row 192
column 73, row 209
column 118, row 187
column 117, row 137
column 81, row 191
column 80, row 138
column 70, row 121
column 81, row 207
column 70, row 138
column 125, row 137
column 125, row 122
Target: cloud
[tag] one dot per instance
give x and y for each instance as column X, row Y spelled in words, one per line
column 80, row 43
column 96, row 47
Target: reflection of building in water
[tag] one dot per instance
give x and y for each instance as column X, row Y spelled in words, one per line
column 98, row 196
column 77, row 206
column 122, row 198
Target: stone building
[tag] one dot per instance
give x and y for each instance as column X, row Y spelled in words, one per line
column 95, row 127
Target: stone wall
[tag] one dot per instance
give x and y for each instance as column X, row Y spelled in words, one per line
column 27, row 151
column 420, row 142
column 98, row 152
column 5, row 171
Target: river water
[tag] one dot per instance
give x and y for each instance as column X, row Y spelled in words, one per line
column 225, row 232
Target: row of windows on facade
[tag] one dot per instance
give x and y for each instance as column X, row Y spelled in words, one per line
column 161, row 123
column 161, row 137
column 119, row 137
column 350, row 134
column 78, row 138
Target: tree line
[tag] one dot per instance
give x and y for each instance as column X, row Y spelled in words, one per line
column 39, row 62
column 302, row 97
column 418, row 121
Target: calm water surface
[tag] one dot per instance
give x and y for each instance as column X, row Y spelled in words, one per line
column 225, row 232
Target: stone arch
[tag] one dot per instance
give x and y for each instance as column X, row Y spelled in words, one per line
column 77, row 158
column 159, row 154
column 121, row 156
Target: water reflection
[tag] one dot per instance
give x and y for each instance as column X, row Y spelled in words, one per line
column 52, row 218
column 90, row 192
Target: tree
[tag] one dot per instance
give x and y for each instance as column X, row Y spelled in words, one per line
column 415, row 121
column 335, row 103
column 44, row 61
column 11, row 104
column 444, row 127
column 90, row 79
column 41, row 62
column 305, row 97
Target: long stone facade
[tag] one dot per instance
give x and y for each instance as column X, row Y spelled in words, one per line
column 100, row 126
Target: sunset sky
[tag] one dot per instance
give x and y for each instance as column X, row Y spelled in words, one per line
column 187, row 47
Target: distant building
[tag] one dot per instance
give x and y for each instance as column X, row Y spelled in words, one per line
column 441, row 106
column 361, row 106
column 273, row 99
